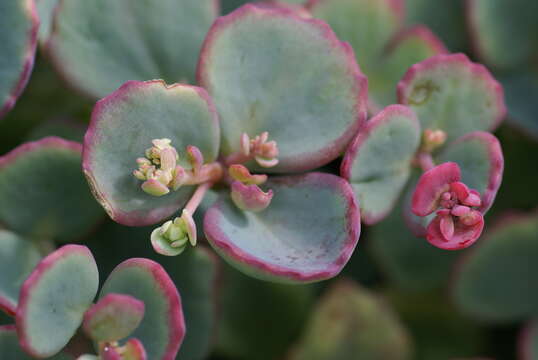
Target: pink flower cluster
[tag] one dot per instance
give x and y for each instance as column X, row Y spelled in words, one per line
column 458, row 223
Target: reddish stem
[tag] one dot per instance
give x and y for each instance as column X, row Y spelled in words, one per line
column 425, row 161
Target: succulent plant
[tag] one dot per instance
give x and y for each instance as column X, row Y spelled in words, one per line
column 257, row 134
column 229, row 134
column 138, row 301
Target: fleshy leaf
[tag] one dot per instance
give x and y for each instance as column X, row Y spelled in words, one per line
column 383, row 48
column 349, row 322
column 53, row 300
column 113, row 318
column 307, row 233
column 378, row 162
column 18, row 256
column 285, row 310
column 480, row 158
column 408, row 47
column 123, row 126
column 18, row 26
column 528, row 342
column 163, row 327
column 403, row 256
column 101, row 44
column 452, row 94
column 501, row 30
column 195, row 274
column 304, row 83
column 495, row 282
column 11, row 350
column 66, row 210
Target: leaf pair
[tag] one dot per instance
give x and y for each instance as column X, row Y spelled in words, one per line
column 56, row 297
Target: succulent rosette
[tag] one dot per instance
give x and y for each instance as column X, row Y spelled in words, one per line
column 291, row 106
column 449, row 105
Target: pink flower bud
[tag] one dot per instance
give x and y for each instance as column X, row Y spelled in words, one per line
column 250, row 197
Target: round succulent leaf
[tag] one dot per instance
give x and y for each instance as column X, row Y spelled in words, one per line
column 403, row 257
column 302, row 84
column 502, row 30
column 163, row 327
column 378, row 162
column 18, row 257
column 307, row 233
column 113, row 318
column 350, row 322
column 47, row 195
column 11, row 350
column 368, row 25
column 18, row 26
column 521, row 88
column 241, row 298
column 122, row 127
column 195, row 273
column 480, row 159
column 495, row 282
column 528, row 342
column 450, row 93
column 99, row 45
column 408, row 47
column 54, row 298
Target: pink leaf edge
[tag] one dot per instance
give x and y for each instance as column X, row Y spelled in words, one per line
column 220, row 241
column 346, row 167
column 323, row 156
column 478, row 70
column 27, row 287
column 133, row 218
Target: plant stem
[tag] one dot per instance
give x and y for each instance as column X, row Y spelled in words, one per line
column 197, row 197
column 425, row 161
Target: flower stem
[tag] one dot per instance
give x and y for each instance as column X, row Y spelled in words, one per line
column 425, row 161
column 197, row 197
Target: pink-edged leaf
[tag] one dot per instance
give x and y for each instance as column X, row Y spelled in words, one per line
column 431, row 185
column 307, row 233
column 18, row 256
column 305, row 84
column 163, row 328
column 10, row 348
column 66, row 210
column 123, row 126
column 54, row 298
column 453, row 94
column 18, row 41
column 113, row 318
column 378, row 162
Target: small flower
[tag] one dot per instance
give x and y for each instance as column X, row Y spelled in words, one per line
column 432, row 139
column 161, row 173
column 132, row 350
column 250, row 197
column 261, row 150
column 245, row 191
column 457, row 223
column 172, row 237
